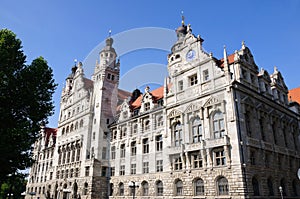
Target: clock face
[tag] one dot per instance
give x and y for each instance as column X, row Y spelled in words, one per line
column 190, row 55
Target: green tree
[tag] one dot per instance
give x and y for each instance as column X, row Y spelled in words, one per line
column 25, row 103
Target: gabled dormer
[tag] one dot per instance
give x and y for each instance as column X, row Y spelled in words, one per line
column 147, row 101
column 264, row 81
column 279, row 89
column 124, row 110
column 187, row 52
column 248, row 70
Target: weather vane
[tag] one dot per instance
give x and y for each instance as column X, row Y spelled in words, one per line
column 182, row 18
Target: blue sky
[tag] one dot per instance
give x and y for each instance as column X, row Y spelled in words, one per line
column 62, row 31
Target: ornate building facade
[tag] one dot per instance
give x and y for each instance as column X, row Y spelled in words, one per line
column 218, row 128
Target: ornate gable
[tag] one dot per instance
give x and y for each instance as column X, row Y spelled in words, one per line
column 192, row 108
column 211, row 101
column 174, row 113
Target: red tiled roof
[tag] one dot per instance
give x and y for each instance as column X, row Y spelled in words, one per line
column 157, row 94
column 294, row 95
column 230, row 60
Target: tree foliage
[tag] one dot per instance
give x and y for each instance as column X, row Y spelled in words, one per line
column 25, row 103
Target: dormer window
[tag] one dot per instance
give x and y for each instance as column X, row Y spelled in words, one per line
column 193, row 80
column 147, row 106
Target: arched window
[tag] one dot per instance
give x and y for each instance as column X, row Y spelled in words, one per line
column 85, row 189
column 63, row 131
column 160, row 121
column 133, row 148
column 178, row 188
column 177, row 134
column 76, row 125
column 255, row 186
column 296, row 188
column 67, row 130
column 198, row 187
column 196, row 130
column 81, row 123
column 145, row 188
column 75, row 189
column 218, row 125
column 111, row 189
column 282, row 184
column 222, row 186
column 248, row 122
column 72, row 128
column 121, row 189
column 147, row 125
column 270, row 187
column 159, row 188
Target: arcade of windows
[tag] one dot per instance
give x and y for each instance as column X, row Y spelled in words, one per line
column 196, row 134
column 222, row 187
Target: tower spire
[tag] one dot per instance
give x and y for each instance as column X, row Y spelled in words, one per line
column 109, row 33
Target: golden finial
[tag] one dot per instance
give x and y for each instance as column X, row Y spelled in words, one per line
column 182, row 18
column 109, row 33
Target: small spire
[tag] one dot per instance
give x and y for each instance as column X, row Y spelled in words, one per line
column 109, row 33
column 243, row 45
column 182, row 18
column 225, row 56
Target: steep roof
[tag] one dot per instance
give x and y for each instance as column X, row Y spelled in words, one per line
column 230, row 59
column 156, row 94
column 294, row 95
column 88, row 83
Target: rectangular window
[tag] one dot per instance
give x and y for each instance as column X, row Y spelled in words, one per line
column 73, row 156
column 104, row 153
column 133, row 169
column 193, row 80
column 113, row 152
column 76, row 172
column 178, row 164
column 197, row 161
column 180, row 85
column 123, row 151
column 147, row 106
column 145, row 167
column 114, row 136
column 220, row 157
column 122, row 170
column 178, row 137
column 159, row 165
column 205, row 75
column 146, row 145
column 112, row 171
column 51, row 175
column 159, row 143
column 87, row 171
column 78, row 154
column 135, row 129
